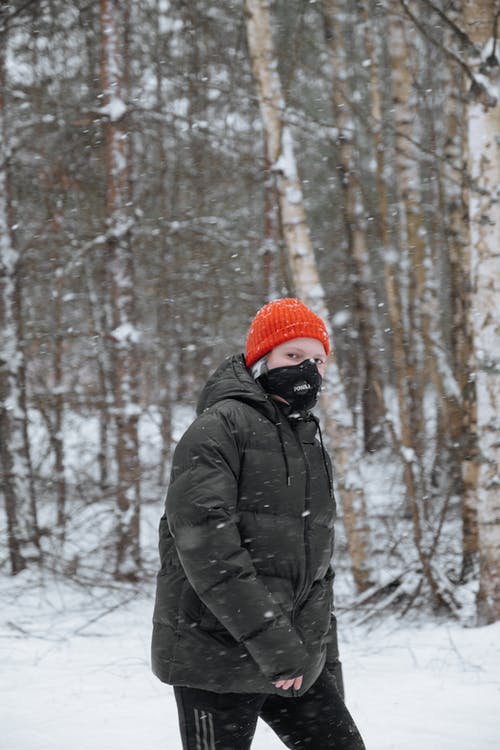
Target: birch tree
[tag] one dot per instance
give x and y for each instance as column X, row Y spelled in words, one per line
column 124, row 334
column 460, row 417
column 483, row 117
column 403, row 301
column 16, row 486
column 308, row 286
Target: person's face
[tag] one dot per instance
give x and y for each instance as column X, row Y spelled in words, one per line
column 295, row 351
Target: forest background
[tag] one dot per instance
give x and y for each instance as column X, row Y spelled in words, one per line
column 166, row 167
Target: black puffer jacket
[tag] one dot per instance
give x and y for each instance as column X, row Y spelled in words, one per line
column 244, row 594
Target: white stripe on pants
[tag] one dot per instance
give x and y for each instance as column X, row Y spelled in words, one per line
column 204, row 728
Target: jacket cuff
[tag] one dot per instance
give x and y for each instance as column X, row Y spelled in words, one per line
column 332, row 647
column 278, row 651
column 335, row 669
column 333, row 663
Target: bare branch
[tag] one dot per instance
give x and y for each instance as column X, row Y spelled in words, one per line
column 7, row 18
column 464, row 38
column 468, row 72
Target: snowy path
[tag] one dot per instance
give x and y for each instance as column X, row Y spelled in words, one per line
column 432, row 688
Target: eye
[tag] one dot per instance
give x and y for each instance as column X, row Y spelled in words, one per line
column 292, row 355
column 319, row 360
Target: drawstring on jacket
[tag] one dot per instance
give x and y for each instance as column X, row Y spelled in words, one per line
column 323, row 454
column 284, row 453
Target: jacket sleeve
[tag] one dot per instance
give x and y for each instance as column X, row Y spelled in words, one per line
column 202, row 516
column 333, row 663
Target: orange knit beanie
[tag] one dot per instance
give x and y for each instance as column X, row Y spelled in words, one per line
column 280, row 321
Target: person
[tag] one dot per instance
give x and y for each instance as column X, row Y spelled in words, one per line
column 243, row 621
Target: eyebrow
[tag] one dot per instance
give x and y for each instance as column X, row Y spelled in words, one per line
column 318, row 355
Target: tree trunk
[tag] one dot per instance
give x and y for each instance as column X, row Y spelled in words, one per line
column 483, row 118
column 461, row 416
column 271, row 250
column 124, row 336
column 408, row 322
column 166, row 287
column 54, row 415
column 22, row 526
column 305, row 276
column 372, row 398
column 407, row 316
column 396, row 315
column 97, row 295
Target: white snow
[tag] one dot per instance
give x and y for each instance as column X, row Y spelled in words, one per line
column 286, row 161
column 408, row 454
column 126, row 333
column 75, row 677
column 341, row 318
column 115, row 109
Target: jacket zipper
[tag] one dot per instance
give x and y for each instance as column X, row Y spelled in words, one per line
column 305, row 515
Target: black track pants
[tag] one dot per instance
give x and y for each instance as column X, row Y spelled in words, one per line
column 318, row 720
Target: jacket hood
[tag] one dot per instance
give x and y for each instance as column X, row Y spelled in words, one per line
column 232, row 380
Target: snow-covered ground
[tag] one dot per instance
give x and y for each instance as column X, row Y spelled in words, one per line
column 75, row 676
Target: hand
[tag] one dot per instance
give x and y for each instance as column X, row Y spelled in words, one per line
column 294, row 683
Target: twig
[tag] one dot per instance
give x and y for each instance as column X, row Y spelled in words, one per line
column 437, row 44
column 26, row 633
column 390, row 599
column 19, row 629
column 17, row 12
column 104, row 613
column 464, row 38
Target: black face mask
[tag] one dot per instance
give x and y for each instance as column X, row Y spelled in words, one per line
column 299, row 385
